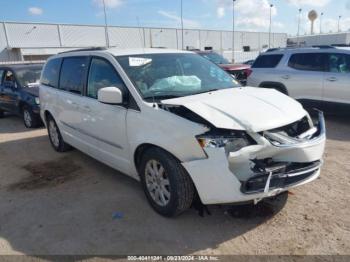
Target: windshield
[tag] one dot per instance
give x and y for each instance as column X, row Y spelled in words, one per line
column 27, row 76
column 215, row 58
column 160, row 76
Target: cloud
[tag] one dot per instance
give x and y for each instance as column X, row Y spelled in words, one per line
column 109, row 3
column 187, row 22
column 35, row 11
column 220, row 11
column 317, row 3
column 250, row 15
column 331, row 25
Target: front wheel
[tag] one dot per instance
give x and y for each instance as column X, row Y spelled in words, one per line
column 55, row 136
column 167, row 186
column 30, row 119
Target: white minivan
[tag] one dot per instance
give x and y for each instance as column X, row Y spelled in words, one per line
column 179, row 124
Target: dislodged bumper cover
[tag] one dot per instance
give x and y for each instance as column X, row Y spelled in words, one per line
column 218, row 182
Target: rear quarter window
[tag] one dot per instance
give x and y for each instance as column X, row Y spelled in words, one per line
column 1, row 75
column 267, row 61
column 51, row 72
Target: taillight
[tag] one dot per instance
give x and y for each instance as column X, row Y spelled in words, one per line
column 248, row 72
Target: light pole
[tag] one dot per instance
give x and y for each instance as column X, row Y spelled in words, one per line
column 321, row 23
column 339, row 23
column 182, row 28
column 271, row 5
column 106, row 24
column 299, row 26
column 233, row 31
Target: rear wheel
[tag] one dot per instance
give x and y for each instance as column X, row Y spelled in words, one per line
column 167, row 186
column 55, row 136
column 30, row 119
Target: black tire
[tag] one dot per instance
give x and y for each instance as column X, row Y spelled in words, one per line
column 181, row 187
column 59, row 145
column 2, row 113
column 30, row 119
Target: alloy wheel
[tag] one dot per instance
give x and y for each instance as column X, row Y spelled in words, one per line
column 157, row 182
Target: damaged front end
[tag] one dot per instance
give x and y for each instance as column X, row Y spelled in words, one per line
column 245, row 165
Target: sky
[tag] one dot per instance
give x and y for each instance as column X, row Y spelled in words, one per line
column 250, row 15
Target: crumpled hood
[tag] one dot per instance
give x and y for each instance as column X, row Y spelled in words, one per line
column 246, row 108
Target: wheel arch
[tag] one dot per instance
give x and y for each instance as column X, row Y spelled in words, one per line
column 144, row 147
column 140, row 149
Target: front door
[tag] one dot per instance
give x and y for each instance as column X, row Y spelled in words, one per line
column 9, row 92
column 104, row 123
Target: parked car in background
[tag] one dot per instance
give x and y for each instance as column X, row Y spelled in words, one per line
column 239, row 71
column 179, row 124
column 19, row 92
column 318, row 76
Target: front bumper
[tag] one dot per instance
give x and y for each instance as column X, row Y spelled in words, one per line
column 230, row 177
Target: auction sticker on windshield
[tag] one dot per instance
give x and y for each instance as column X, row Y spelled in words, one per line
column 139, row 61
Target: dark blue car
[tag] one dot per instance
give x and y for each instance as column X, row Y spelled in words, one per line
column 19, row 92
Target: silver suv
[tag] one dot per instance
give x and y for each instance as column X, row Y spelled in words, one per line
column 316, row 76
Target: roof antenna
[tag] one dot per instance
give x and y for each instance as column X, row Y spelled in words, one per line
column 106, row 24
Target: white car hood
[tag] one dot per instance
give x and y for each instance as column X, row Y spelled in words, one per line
column 246, row 108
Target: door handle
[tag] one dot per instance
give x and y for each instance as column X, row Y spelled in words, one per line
column 286, row 77
column 332, row 79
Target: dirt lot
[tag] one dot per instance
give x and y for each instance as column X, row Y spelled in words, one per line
column 54, row 203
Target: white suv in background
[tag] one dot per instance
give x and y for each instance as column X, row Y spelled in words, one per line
column 318, row 76
column 179, row 124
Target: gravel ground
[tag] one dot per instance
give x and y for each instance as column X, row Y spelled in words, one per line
column 53, row 203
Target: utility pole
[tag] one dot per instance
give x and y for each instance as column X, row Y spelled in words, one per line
column 321, row 23
column 182, row 27
column 298, row 34
column 339, row 23
column 271, row 5
column 233, row 31
column 106, row 24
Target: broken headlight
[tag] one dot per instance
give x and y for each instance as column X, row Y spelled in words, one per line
column 231, row 142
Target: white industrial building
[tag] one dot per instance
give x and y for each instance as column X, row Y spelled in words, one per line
column 341, row 38
column 37, row 41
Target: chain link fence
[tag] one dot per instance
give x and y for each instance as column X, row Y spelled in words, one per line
column 17, row 37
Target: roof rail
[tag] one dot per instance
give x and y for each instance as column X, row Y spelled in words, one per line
column 33, row 62
column 323, row 46
column 85, row 49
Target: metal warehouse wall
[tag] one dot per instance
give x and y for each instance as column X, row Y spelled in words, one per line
column 324, row 39
column 15, row 37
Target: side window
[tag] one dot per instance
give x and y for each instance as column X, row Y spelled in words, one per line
column 1, row 75
column 102, row 74
column 51, row 73
column 339, row 63
column 73, row 74
column 267, row 61
column 9, row 79
column 308, row 61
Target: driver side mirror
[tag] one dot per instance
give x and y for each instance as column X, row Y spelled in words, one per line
column 110, row 95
